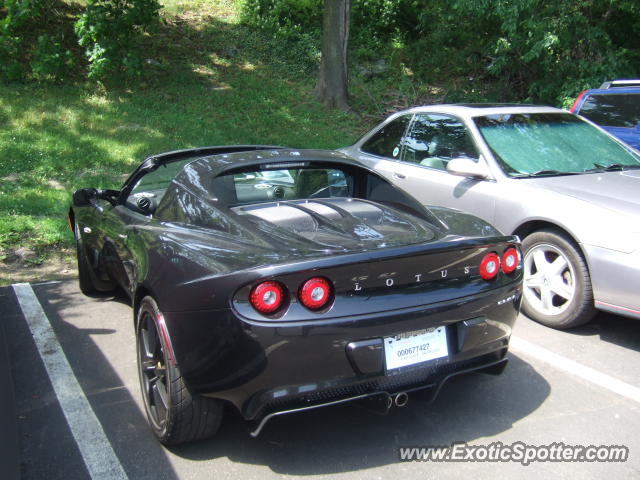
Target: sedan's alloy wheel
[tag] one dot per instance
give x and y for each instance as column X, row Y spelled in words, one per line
column 557, row 285
column 549, row 280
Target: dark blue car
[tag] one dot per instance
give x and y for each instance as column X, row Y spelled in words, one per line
column 615, row 106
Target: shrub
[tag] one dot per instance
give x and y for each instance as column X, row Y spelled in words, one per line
column 299, row 22
column 110, row 31
column 523, row 50
column 18, row 14
column 50, row 61
column 27, row 50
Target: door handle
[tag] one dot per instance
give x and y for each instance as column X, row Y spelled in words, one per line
column 399, row 176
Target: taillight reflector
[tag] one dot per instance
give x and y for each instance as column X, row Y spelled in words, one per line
column 267, row 297
column 490, row 266
column 315, row 293
column 510, row 260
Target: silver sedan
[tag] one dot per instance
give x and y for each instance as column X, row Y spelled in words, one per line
column 570, row 190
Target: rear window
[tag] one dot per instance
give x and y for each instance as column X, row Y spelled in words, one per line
column 285, row 184
column 612, row 110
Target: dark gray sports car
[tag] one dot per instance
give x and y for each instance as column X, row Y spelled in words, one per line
column 275, row 280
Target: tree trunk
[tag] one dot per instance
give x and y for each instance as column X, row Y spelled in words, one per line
column 331, row 88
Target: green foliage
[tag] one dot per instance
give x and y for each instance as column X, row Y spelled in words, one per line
column 374, row 26
column 50, row 61
column 110, row 30
column 20, row 13
column 288, row 18
column 550, row 50
column 18, row 17
column 299, row 23
column 10, row 67
column 38, row 42
column 28, row 48
column 522, row 50
column 296, row 23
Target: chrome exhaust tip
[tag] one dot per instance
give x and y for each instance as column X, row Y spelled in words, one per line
column 401, row 399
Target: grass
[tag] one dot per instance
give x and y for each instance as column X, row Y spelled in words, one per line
column 209, row 81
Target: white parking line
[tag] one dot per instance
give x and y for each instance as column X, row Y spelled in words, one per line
column 574, row 368
column 97, row 453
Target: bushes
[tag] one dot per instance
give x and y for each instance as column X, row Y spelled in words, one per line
column 287, row 18
column 507, row 50
column 295, row 22
column 40, row 39
column 110, row 31
column 298, row 23
column 548, row 51
column 50, row 61
column 522, row 50
column 19, row 17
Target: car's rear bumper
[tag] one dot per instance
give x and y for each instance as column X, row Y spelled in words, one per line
column 379, row 399
column 265, row 369
column 615, row 277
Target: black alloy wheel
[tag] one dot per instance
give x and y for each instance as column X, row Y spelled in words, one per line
column 175, row 413
column 153, row 372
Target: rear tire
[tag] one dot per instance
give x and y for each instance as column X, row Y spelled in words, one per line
column 175, row 413
column 557, row 285
column 84, row 269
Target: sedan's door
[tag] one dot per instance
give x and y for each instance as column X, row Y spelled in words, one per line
column 418, row 165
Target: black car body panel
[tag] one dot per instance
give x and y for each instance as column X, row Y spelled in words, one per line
column 395, row 267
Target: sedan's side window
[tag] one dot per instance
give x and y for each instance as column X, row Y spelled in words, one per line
column 386, row 141
column 434, row 139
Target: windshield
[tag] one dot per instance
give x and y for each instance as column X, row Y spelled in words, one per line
column 160, row 178
column 552, row 144
column 613, row 109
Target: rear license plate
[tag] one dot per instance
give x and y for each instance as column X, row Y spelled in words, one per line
column 415, row 347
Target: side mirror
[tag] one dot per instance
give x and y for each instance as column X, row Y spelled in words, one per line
column 84, row 197
column 465, row 167
column 87, row 196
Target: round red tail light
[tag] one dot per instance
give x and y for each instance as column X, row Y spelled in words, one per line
column 315, row 293
column 490, row 266
column 267, row 297
column 510, row 260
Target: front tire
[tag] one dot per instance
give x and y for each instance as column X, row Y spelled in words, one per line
column 175, row 413
column 557, row 285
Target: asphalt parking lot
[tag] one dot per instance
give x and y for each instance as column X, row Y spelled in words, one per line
column 579, row 388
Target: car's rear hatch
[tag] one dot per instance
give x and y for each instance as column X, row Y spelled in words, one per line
column 337, row 224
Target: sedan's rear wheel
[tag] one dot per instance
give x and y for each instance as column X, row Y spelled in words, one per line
column 557, row 285
column 176, row 415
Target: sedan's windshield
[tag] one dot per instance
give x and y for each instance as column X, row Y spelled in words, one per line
column 540, row 144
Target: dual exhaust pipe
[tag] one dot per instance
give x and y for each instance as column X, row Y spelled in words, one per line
column 382, row 402
column 399, row 399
